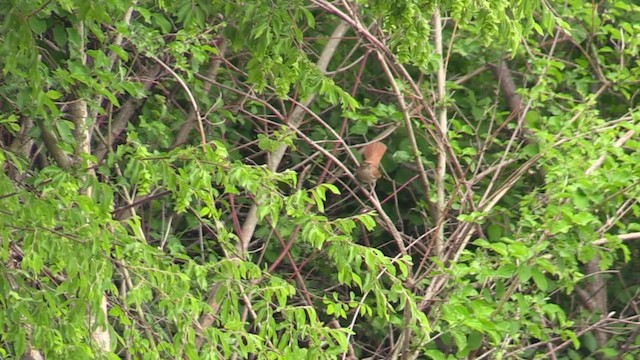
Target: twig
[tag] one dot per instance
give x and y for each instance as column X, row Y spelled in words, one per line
column 192, row 99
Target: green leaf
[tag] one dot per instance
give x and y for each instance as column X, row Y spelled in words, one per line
column 539, row 279
column 500, row 248
column 560, row 227
column 524, row 273
column 53, row 94
column 38, row 26
column 60, row 35
column 118, row 50
column 435, row 354
column 368, row 221
column 311, row 21
column 494, row 232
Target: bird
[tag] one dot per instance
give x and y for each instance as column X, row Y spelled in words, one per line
column 368, row 172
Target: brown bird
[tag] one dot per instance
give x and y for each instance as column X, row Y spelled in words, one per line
column 368, row 172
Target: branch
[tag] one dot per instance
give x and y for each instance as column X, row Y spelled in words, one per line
column 127, row 110
column 51, row 143
column 623, row 237
column 212, row 72
column 295, row 119
column 441, row 170
column 190, row 96
column 273, row 162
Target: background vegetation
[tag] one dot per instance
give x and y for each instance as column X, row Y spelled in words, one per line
column 178, row 179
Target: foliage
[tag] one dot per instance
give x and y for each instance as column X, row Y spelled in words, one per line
column 189, row 164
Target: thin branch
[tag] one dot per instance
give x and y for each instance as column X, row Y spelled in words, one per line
column 441, row 168
column 623, row 237
column 295, row 119
column 192, row 100
column 49, row 139
column 125, row 114
column 212, row 72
